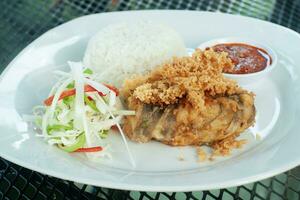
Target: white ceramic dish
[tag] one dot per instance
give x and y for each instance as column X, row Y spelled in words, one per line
column 27, row 80
column 245, row 79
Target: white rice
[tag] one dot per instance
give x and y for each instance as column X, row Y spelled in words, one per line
column 120, row 50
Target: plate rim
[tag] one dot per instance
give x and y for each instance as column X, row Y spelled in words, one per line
column 155, row 188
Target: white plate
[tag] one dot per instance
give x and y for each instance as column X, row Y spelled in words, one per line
column 27, row 79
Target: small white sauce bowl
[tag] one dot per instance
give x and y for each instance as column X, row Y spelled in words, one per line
column 245, row 79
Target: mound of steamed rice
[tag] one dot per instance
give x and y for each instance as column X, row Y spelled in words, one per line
column 120, row 50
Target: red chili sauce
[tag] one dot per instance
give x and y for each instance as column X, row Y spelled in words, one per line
column 246, row 58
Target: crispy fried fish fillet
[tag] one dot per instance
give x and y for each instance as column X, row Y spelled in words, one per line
column 187, row 102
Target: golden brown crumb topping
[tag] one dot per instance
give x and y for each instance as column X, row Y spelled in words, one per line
column 224, row 147
column 195, row 77
column 188, row 101
column 202, row 156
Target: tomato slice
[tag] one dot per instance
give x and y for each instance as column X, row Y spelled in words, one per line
column 64, row 94
column 89, row 149
column 114, row 89
column 70, row 92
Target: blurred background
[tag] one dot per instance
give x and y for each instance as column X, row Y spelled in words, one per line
column 22, row 21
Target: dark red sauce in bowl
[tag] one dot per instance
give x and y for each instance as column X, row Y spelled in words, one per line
column 246, row 58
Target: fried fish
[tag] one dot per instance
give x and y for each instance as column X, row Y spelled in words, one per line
column 187, row 102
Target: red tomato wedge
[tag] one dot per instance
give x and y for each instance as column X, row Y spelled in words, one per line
column 115, row 128
column 90, row 149
column 70, row 92
column 112, row 88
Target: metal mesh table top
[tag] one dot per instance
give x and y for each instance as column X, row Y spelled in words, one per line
column 21, row 21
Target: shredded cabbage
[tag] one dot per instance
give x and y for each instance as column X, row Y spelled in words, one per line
column 80, row 119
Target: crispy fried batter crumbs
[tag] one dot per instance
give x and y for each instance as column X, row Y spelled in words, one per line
column 195, row 76
column 181, row 155
column 224, row 147
column 257, row 136
column 181, row 158
column 202, row 156
column 220, row 148
column 189, row 102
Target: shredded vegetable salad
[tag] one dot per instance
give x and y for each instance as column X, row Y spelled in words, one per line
column 79, row 113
